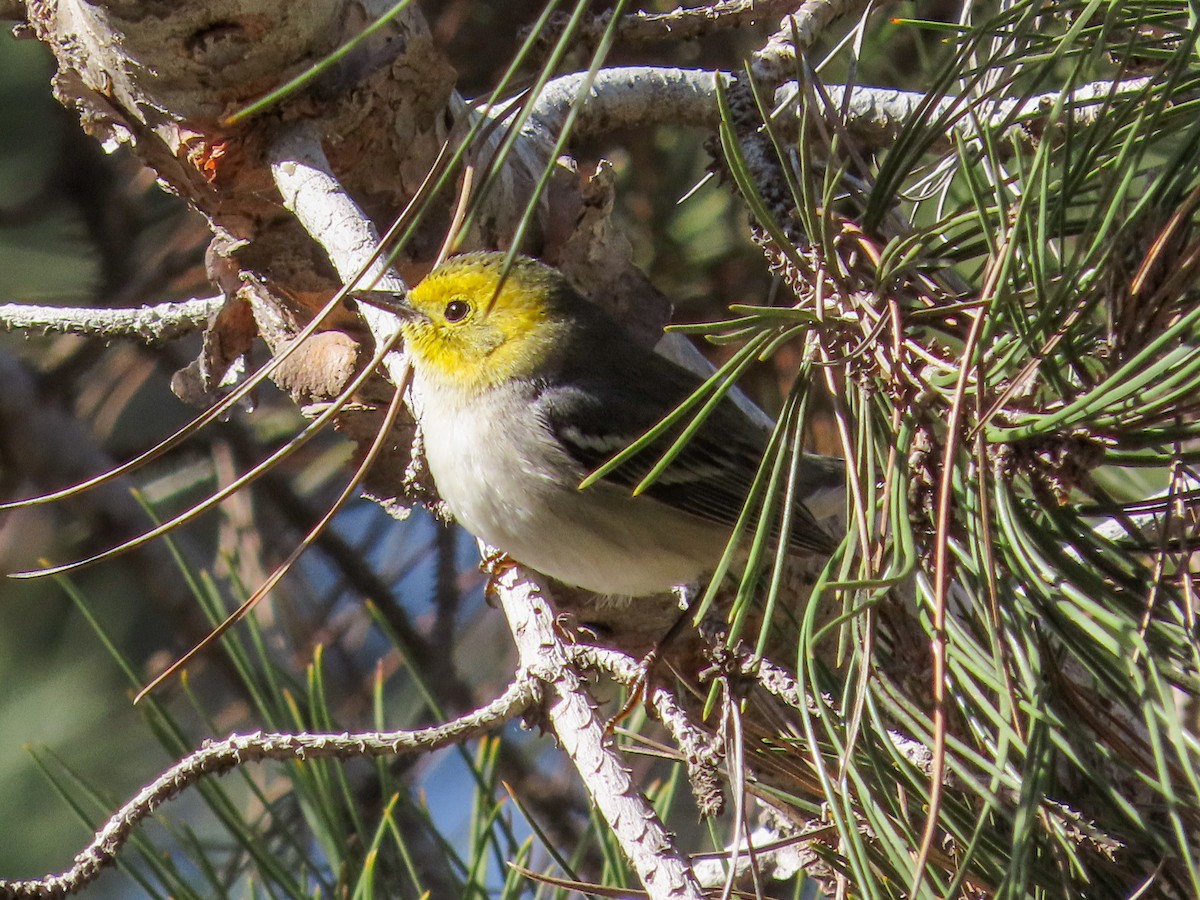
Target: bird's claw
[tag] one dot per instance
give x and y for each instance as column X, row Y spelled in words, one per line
column 495, row 564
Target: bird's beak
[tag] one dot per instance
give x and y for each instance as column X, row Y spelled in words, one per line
column 390, row 301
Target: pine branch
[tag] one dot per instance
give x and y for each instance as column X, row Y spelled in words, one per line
column 330, row 214
column 701, row 752
column 576, row 722
column 150, row 324
column 220, row 757
column 640, row 96
column 776, row 59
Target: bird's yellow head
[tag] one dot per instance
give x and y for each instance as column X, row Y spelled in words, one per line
column 471, row 329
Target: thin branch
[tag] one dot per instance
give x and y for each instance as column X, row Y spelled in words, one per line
column 700, row 750
column 572, row 715
column 219, row 757
column 638, row 96
column 878, row 114
column 783, row 857
column 1150, row 516
column 631, row 96
column 780, row 683
column 319, row 202
column 151, row 324
column 796, row 34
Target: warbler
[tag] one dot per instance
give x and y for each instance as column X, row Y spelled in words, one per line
column 524, row 387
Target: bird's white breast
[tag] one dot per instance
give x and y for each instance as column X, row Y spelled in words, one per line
column 509, row 483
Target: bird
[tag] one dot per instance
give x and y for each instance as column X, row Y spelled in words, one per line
column 523, row 387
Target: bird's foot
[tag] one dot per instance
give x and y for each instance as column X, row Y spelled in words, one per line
column 495, row 564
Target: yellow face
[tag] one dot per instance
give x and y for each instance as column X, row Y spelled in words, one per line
column 471, row 331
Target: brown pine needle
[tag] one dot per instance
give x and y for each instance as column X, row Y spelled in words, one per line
column 460, row 213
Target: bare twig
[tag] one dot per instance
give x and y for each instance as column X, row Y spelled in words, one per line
column 161, row 322
column 701, row 750
column 637, row 96
column 218, row 757
column 330, row 215
column 572, row 715
column 776, row 60
column 783, row 685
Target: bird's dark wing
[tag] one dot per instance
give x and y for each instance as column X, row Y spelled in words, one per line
column 596, row 415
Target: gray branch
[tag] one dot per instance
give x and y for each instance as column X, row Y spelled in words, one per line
column 688, row 22
column 783, row 685
column 219, row 757
column 331, row 216
column 631, row 96
column 701, row 752
column 638, row 96
column 162, row 322
column 776, row 60
column 662, row 867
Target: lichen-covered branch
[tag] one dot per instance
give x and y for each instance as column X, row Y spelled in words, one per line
column 640, row 96
column 152, row 324
column 573, row 717
column 700, row 749
column 328, row 213
column 219, row 757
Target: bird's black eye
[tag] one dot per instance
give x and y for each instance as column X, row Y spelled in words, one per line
column 456, row 310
